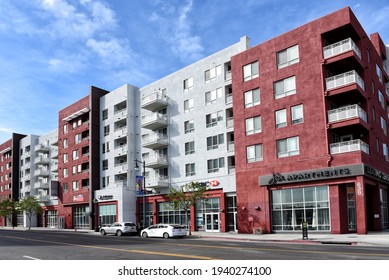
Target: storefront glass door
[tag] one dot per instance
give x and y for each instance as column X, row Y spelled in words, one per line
column 212, row 222
column 384, row 208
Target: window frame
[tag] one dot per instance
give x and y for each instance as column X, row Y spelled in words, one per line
column 250, row 99
column 250, row 127
column 293, row 114
column 284, row 92
column 250, row 71
column 289, row 60
column 288, row 151
column 257, row 152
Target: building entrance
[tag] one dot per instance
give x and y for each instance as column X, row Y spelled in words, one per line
column 212, row 222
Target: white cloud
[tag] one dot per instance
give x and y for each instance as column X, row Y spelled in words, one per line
column 113, row 51
column 175, row 25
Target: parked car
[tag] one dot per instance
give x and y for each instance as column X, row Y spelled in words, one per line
column 164, row 230
column 119, row 229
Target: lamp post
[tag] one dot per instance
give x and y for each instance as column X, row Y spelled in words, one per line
column 95, row 201
column 143, row 188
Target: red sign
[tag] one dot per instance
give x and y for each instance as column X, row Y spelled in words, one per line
column 213, row 183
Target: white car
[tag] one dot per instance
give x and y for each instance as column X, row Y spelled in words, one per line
column 119, row 229
column 164, row 230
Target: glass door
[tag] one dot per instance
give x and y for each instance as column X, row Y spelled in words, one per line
column 384, row 208
column 212, row 222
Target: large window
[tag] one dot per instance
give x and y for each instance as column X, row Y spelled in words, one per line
column 214, row 118
column 288, row 57
column 169, row 215
column 213, row 142
column 215, row 164
column 211, row 74
column 190, row 169
column 189, row 148
column 213, row 95
column 285, row 87
column 252, row 98
column 107, row 214
column 189, row 126
column 253, row 125
column 81, row 217
column 292, row 207
column 250, row 71
column 352, row 225
column 288, row 147
column 254, row 153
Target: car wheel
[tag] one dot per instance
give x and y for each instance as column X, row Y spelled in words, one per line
column 166, row 235
column 102, row 232
column 119, row 233
column 144, row 234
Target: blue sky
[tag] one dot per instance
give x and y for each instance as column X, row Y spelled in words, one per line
column 52, row 51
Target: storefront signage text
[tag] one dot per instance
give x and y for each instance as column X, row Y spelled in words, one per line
column 105, row 197
column 376, row 173
column 212, row 183
column 306, row 176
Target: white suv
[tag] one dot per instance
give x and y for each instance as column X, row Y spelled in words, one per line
column 119, row 229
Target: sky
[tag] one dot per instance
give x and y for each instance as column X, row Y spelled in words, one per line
column 52, row 51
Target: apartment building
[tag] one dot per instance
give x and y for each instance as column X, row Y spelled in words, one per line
column 79, row 161
column 311, row 123
column 120, row 146
column 39, row 176
column 9, row 173
column 187, row 135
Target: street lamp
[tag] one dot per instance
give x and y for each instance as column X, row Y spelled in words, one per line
column 95, row 201
column 143, row 188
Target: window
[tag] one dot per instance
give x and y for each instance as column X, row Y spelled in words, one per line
column 188, row 105
column 213, row 142
column 65, row 172
column 252, row 98
column 65, row 143
column 381, row 98
column 281, row 118
column 74, row 169
column 285, row 87
column 211, row 96
column 189, row 148
column 383, row 126
column 75, row 154
column 106, row 130
column 385, row 151
column 254, row 153
column 288, row 147
column 190, row 169
column 288, row 57
column 379, row 72
column 211, row 74
column 105, row 181
column 75, row 185
column 188, row 84
column 215, row 164
column 77, row 138
column 65, row 128
column 214, row 118
column 253, row 125
column 105, row 164
column 189, row 126
column 297, row 114
column 65, row 187
column 105, row 114
column 250, row 71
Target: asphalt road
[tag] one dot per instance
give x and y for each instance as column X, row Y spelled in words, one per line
column 63, row 245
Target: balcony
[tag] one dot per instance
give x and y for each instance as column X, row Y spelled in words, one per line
column 54, row 168
column 54, row 154
column 228, row 75
column 121, row 149
column 157, row 182
column 344, row 79
column 230, row 146
column 341, row 47
column 41, row 148
column 42, row 160
column 41, row 173
column 154, row 101
column 121, row 168
column 120, row 132
column 230, row 122
column 349, row 146
column 228, row 99
column 42, row 198
column 155, row 140
column 41, row 185
column 154, row 121
column 157, row 161
column 121, row 114
column 346, row 113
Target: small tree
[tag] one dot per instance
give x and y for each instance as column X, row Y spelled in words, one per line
column 7, row 209
column 31, row 206
column 186, row 196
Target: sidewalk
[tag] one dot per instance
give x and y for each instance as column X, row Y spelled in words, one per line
column 371, row 239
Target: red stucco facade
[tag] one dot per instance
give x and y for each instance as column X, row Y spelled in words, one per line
column 318, row 136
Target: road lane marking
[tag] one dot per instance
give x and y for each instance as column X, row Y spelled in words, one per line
column 120, row 250
column 31, row 258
